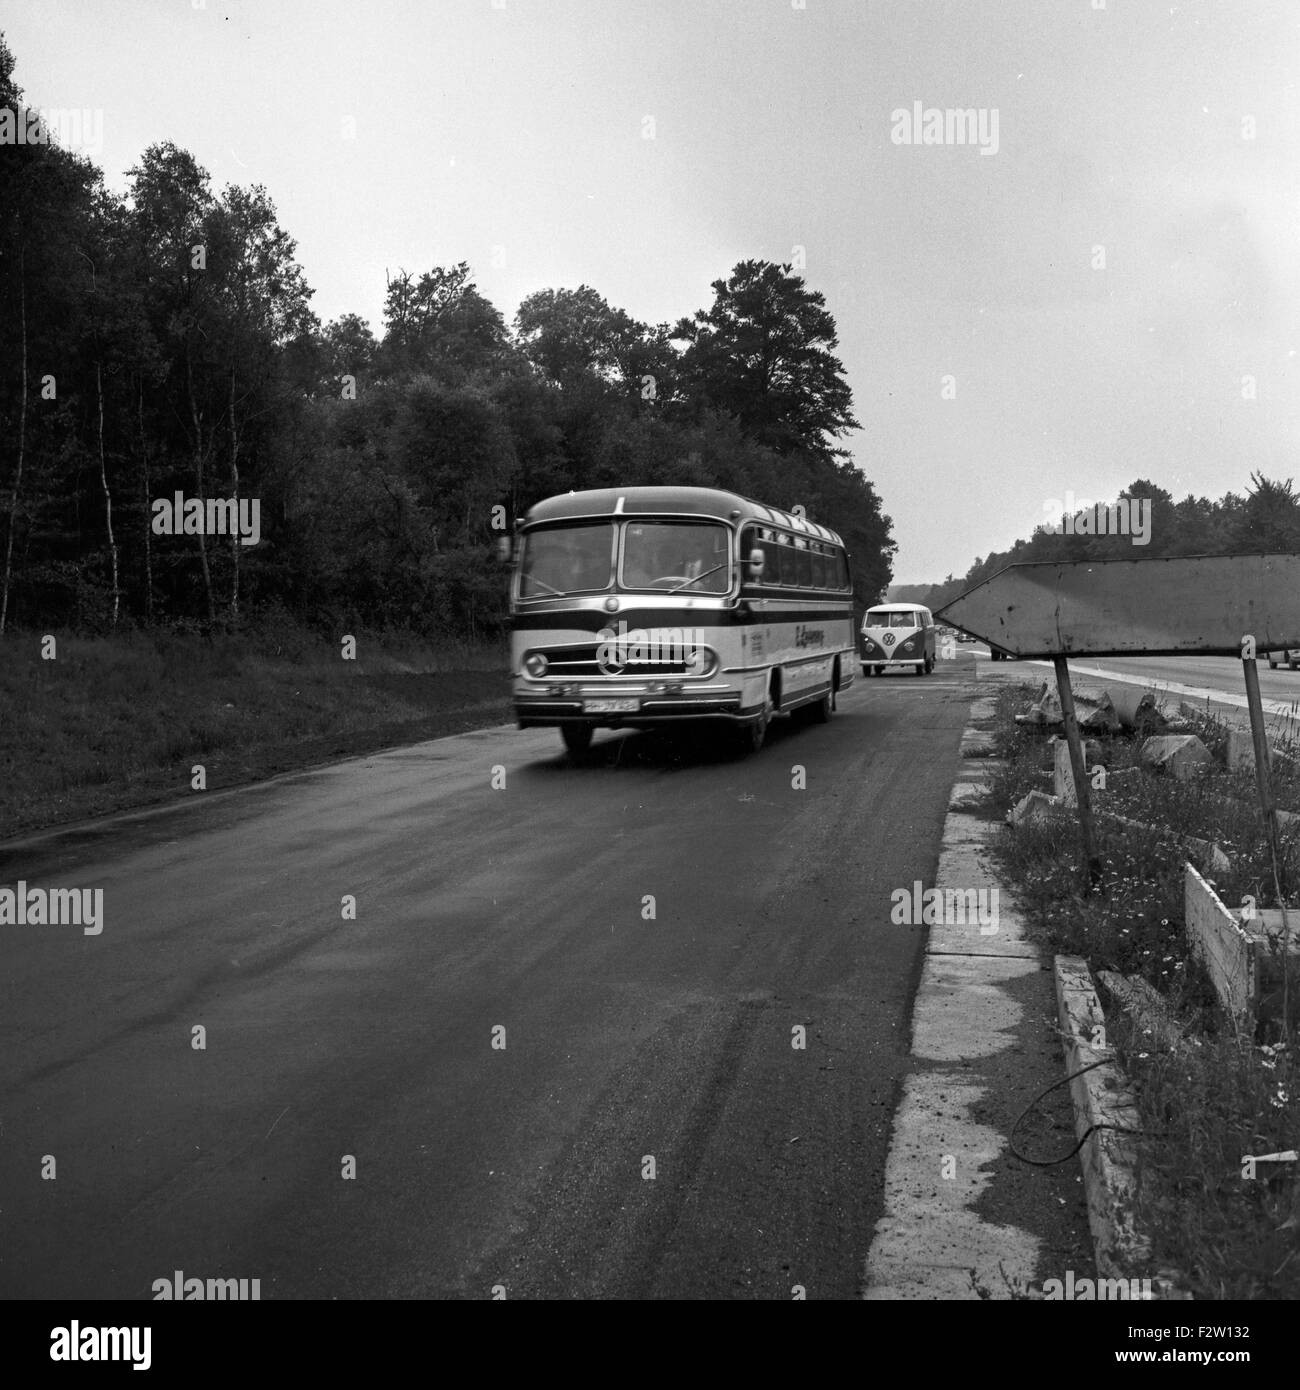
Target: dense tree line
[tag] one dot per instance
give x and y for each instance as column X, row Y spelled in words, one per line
column 162, row 342
column 1264, row 521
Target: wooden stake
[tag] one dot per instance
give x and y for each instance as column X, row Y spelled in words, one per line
column 1091, row 859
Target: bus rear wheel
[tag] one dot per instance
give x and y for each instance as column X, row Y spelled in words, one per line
column 821, row 710
column 577, row 739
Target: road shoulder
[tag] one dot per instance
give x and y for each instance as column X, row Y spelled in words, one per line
column 964, row 1217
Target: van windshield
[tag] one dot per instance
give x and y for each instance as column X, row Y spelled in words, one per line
column 877, row 619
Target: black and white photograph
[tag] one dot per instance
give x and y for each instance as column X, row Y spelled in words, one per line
column 649, row 652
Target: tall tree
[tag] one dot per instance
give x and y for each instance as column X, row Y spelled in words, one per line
column 1269, row 519
column 441, row 326
column 575, row 336
column 46, row 200
column 764, row 352
column 172, row 203
column 261, row 306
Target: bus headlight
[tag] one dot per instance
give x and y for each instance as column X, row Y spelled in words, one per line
column 535, row 665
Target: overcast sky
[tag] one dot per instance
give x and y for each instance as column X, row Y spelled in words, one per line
column 513, row 134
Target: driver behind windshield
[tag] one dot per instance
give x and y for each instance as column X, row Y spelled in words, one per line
column 646, row 559
column 655, row 558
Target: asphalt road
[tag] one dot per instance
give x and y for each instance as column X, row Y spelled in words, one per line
column 626, row 1039
column 1215, row 673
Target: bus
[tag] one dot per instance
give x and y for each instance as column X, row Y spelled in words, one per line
column 897, row 634
column 647, row 607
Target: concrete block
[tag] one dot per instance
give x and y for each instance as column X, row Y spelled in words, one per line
column 1183, row 755
column 1228, row 951
column 1034, row 809
column 1241, row 750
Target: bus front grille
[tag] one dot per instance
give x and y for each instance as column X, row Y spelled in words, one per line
column 582, row 662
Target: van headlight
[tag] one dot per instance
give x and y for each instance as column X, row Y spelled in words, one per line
column 535, row 665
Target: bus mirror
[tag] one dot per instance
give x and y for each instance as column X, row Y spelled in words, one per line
column 504, row 549
column 756, row 559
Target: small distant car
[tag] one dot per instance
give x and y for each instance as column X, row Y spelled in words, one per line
column 964, row 637
column 1290, row 658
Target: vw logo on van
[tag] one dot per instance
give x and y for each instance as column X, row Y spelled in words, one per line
column 889, row 639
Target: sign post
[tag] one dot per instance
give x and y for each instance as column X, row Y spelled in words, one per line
column 1078, row 766
column 1263, row 770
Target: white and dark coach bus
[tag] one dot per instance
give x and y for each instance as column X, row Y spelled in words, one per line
column 641, row 607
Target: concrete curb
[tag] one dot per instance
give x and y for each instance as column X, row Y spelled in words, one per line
column 933, row 1241
column 1101, row 1098
column 1105, row 1111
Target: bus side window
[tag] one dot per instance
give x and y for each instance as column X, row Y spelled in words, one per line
column 772, row 565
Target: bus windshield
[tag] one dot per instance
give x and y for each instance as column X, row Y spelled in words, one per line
column 692, row 556
column 567, row 560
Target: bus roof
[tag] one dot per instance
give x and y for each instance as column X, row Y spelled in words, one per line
column 898, row 608
column 670, row 501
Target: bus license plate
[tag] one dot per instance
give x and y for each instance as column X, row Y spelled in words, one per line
column 627, row 706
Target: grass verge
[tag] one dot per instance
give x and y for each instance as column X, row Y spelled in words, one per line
column 115, row 723
column 1214, row 1095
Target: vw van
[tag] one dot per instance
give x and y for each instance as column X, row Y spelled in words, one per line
column 897, row 635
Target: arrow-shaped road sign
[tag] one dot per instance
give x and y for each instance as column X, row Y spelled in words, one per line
column 1204, row 604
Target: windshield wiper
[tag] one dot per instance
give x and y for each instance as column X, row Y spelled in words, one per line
column 695, row 579
column 533, row 579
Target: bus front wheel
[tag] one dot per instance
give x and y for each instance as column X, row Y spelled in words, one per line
column 754, row 734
